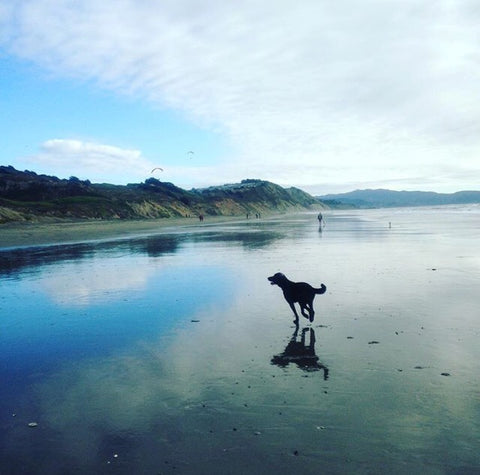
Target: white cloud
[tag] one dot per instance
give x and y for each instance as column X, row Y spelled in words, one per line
column 95, row 282
column 75, row 157
column 385, row 90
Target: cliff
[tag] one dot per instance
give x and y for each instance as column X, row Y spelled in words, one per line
column 29, row 196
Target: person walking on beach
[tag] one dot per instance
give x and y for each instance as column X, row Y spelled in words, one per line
column 320, row 219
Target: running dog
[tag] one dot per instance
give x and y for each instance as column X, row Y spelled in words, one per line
column 300, row 292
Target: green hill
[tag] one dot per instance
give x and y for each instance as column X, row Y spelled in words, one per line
column 29, row 196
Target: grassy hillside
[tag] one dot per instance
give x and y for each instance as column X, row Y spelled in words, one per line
column 29, row 196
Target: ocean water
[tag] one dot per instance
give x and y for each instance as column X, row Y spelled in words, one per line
column 172, row 353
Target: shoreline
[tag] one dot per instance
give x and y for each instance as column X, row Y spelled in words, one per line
column 32, row 234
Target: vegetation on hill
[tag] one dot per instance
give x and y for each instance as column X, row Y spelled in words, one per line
column 29, row 196
column 254, row 196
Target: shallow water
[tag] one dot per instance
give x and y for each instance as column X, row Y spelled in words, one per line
column 173, row 354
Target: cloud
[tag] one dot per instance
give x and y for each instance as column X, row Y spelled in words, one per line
column 385, row 91
column 93, row 160
column 94, row 282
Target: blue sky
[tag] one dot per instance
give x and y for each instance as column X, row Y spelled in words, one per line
column 326, row 96
column 38, row 107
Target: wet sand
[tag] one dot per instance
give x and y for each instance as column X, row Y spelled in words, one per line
column 67, row 232
column 173, row 354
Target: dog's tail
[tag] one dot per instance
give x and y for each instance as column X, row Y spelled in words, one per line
column 321, row 290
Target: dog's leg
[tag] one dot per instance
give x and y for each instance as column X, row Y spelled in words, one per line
column 304, row 310
column 292, row 306
column 311, row 312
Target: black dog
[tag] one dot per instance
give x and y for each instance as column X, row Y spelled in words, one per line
column 300, row 292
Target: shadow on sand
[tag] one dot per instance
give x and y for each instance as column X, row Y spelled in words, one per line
column 300, row 353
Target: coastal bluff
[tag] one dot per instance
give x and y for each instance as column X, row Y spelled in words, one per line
column 28, row 196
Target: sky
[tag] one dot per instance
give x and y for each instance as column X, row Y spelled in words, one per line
column 326, row 96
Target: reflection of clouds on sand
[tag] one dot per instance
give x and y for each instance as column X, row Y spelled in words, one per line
column 197, row 363
column 95, row 408
column 144, row 393
column 184, row 395
column 84, row 282
column 123, row 390
column 112, row 394
column 156, row 390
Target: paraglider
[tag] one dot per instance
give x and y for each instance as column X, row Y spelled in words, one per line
column 157, row 168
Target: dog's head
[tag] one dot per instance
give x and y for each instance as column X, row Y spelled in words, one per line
column 277, row 279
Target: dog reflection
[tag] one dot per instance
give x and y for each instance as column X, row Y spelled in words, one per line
column 301, row 354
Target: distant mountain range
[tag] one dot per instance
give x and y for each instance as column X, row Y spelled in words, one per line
column 29, row 196
column 389, row 199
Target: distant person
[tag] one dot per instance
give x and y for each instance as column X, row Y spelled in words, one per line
column 320, row 219
column 200, row 217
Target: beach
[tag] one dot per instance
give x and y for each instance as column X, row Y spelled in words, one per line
column 170, row 352
column 65, row 231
